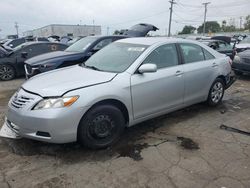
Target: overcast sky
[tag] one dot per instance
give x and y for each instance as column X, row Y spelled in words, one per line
column 116, row 14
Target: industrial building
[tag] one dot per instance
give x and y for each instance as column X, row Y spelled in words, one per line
column 64, row 30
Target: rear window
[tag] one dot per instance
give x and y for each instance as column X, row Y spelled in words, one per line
column 208, row 55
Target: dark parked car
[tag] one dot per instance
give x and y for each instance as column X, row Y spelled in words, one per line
column 16, row 42
column 12, row 63
column 243, row 44
column 74, row 54
column 241, row 62
column 80, row 51
column 222, row 46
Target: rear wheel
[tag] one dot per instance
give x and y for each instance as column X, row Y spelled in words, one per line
column 7, row 72
column 101, row 127
column 216, row 92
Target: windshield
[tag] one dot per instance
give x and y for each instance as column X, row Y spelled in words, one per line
column 116, row 57
column 19, row 47
column 81, row 45
column 246, row 40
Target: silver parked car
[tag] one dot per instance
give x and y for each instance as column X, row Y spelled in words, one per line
column 129, row 81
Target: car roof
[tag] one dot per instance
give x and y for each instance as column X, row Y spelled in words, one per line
column 153, row 40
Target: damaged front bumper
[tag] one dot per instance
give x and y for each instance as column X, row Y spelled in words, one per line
column 9, row 130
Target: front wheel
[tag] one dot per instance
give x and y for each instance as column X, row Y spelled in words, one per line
column 216, row 92
column 101, row 127
column 7, row 72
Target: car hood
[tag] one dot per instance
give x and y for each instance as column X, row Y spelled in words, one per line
column 49, row 56
column 60, row 81
column 243, row 45
column 139, row 30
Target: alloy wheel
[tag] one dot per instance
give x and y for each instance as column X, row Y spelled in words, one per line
column 6, row 72
column 217, row 92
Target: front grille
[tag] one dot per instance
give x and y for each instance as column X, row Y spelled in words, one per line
column 246, row 60
column 20, row 101
column 28, row 68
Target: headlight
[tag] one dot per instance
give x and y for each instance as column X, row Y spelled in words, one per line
column 59, row 102
column 236, row 59
column 47, row 65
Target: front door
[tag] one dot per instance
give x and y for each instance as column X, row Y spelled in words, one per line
column 156, row 92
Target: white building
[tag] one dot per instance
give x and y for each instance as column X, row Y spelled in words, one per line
column 64, row 30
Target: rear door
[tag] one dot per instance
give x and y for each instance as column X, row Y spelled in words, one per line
column 199, row 72
column 156, row 92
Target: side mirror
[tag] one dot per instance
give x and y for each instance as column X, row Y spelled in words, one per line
column 24, row 54
column 147, row 68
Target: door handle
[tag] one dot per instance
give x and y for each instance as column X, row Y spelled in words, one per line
column 178, row 73
column 215, row 65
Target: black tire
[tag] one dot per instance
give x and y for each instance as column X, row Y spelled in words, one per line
column 7, row 72
column 101, row 127
column 216, row 92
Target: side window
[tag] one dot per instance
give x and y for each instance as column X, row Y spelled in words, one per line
column 192, row 53
column 102, row 44
column 163, row 56
column 208, row 55
column 34, row 50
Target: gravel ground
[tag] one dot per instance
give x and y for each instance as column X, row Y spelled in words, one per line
column 186, row 148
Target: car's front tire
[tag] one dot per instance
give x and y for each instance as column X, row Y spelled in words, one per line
column 7, row 72
column 101, row 127
column 216, row 92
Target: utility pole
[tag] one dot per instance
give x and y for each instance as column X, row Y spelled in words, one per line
column 93, row 27
column 240, row 22
column 205, row 15
column 16, row 26
column 107, row 30
column 170, row 17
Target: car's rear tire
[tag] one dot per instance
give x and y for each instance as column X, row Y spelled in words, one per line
column 7, row 72
column 101, row 127
column 216, row 92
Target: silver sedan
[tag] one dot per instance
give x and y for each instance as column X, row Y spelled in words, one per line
column 127, row 82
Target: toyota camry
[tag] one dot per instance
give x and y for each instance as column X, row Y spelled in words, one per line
column 125, row 83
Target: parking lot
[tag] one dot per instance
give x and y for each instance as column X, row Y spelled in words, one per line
column 186, row 148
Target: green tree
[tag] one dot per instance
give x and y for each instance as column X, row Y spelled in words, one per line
column 247, row 24
column 224, row 25
column 211, row 26
column 116, row 32
column 228, row 28
column 187, row 29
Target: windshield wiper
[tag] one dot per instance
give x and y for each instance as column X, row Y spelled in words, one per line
column 91, row 67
